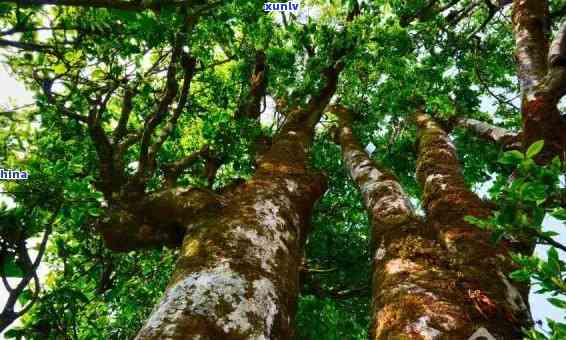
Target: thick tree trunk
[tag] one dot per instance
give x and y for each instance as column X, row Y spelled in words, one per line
column 492, row 301
column 237, row 276
column 413, row 291
column 238, row 273
column 542, row 77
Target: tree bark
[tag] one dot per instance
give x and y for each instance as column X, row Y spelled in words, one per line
column 238, row 273
column 491, row 133
column 492, row 301
column 542, row 77
column 413, row 291
column 258, row 85
column 156, row 219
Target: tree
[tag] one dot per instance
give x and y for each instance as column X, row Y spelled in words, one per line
column 186, row 184
column 458, row 283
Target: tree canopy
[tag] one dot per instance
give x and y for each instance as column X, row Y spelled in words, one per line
column 144, row 108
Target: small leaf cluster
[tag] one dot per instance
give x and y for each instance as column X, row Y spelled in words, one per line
column 526, row 198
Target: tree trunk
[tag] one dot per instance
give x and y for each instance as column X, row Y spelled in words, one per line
column 237, row 276
column 238, row 273
column 492, row 302
column 542, row 77
column 413, row 291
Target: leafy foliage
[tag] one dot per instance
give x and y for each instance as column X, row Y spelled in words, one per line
column 72, row 58
column 524, row 201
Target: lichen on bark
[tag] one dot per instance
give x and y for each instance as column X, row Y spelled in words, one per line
column 237, row 277
column 238, row 273
column 411, row 293
column 492, row 301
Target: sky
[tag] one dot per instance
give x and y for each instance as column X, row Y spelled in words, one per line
column 13, row 94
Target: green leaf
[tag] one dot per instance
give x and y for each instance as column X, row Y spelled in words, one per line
column 94, row 212
column 512, row 157
column 12, row 269
column 98, row 74
column 59, row 68
column 557, row 302
column 533, row 334
column 475, row 221
column 533, row 192
column 520, row 275
column 538, row 217
column 535, row 148
column 25, row 296
column 550, row 234
column 559, row 213
column 13, row 334
column 558, row 329
column 553, row 260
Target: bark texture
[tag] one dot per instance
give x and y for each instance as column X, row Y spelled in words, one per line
column 414, row 295
column 492, row 133
column 238, row 273
column 155, row 220
column 542, row 77
column 492, row 301
column 258, row 85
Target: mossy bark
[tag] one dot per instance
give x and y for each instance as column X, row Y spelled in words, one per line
column 414, row 295
column 237, row 276
column 493, row 302
column 238, row 272
column 155, row 219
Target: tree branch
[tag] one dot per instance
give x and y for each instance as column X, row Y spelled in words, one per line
column 405, row 20
column 555, row 81
column 316, row 105
column 258, row 82
column 111, row 176
column 127, row 107
column 175, row 169
column 456, row 16
column 557, row 51
column 492, row 133
column 144, row 168
column 158, row 219
column 28, row 46
column 9, row 315
column 46, row 86
column 484, row 84
column 189, row 64
column 492, row 10
column 551, row 241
